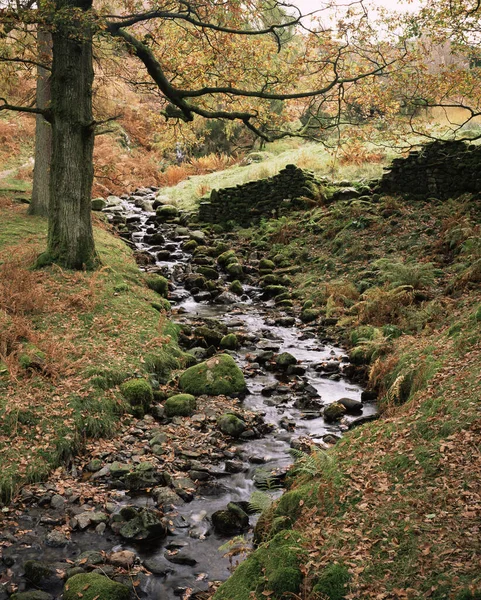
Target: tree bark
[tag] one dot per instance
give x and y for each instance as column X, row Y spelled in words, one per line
column 43, row 132
column 70, row 235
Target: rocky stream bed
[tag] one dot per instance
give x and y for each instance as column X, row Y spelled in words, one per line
column 152, row 507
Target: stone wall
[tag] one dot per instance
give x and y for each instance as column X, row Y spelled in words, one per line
column 269, row 197
column 439, row 169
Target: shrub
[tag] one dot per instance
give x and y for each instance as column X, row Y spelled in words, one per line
column 416, row 275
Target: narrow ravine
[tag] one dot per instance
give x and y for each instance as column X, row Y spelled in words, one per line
column 292, row 375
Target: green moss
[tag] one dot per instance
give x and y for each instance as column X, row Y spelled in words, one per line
column 138, row 392
column 310, row 314
column 226, row 258
column 236, row 288
column 266, row 265
column 334, row 412
column 158, row 283
column 292, row 502
column 90, row 586
column 180, row 405
column 162, row 306
column 235, row 270
column 231, row 425
column 31, row 357
column 229, row 342
column 219, row 375
column 162, row 362
column 274, row 567
column 332, row 582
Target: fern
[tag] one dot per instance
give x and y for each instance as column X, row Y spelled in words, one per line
column 310, row 464
column 415, row 275
column 260, row 501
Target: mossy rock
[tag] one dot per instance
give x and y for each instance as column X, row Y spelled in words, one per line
column 138, row 392
column 334, row 412
column 271, row 291
column 235, row 270
column 189, row 246
column 236, row 288
column 208, row 273
column 167, row 212
column 310, row 314
column 36, row 571
column 275, row 566
column 180, row 405
column 226, row 258
column 362, row 355
column 90, row 586
column 211, row 337
column 158, row 283
column 290, row 504
column 266, row 265
column 307, row 304
column 32, row 595
column 98, row 204
column 285, row 360
column 332, row 582
column 231, row 425
column 216, row 376
column 229, row 342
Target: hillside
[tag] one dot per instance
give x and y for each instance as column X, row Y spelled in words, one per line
column 391, row 511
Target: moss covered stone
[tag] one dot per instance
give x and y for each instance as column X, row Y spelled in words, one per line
column 334, row 412
column 229, row 342
column 163, row 362
column 32, row 595
column 190, row 245
column 208, row 273
column 162, row 306
column 271, row 291
column 180, row 405
column 226, row 258
column 158, row 283
column 235, row 270
column 310, row 314
column 98, row 204
column 266, row 265
column 231, row 425
column 138, row 392
column 285, row 360
column 36, row 571
column 216, row 376
column 236, row 288
column 166, row 212
column 92, row 585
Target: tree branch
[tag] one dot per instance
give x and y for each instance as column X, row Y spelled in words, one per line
column 26, row 109
column 26, row 62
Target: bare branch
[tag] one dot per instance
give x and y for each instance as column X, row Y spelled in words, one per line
column 25, row 109
column 25, row 62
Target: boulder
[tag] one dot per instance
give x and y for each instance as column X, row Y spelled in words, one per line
column 231, row 425
column 353, row 407
column 93, row 585
column 141, row 525
column 231, row 521
column 285, row 360
column 333, row 412
column 180, row 405
column 216, row 376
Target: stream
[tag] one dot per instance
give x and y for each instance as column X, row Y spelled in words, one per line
column 292, row 404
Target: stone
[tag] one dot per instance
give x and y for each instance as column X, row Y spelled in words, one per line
column 56, row 539
column 333, row 412
column 93, row 585
column 57, row 502
column 166, row 212
column 90, row 558
column 37, row 572
column 231, row 425
column 353, row 407
column 285, row 359
column 123, row 558
column 216, row 376
column 231, row 521
column 32, row 595
column 138, row 392
column 98, row 204
column 180, row 559
column 236, row 288
column 144, row 526
column 157, row 566
column 165, row 496
column 158, row 284
column 229, row 342
column 226, row 298
column 180, row 405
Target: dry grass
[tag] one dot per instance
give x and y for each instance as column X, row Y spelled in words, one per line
column 356, row 153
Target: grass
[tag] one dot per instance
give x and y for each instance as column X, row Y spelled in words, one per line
column 398, row 501
column 92, row 338
column 307, row 156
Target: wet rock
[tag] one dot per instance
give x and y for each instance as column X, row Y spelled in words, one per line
column 123, row 558
column 158, row 566
column 226, row 298
column 231, row 521
column 56, row 539
column 93, row 585
column 90, row 558
column 368, row 396
column 166, row 212
column 285, row 321
column 211, row 337
column 141, row 525
column 353, row 407
column 236, row 288
column 231, row 425
column 180, row 558
column 229, row 342
column 330, row 439
column 309, row 315
column 285, row 360
column 32, row 595
column 37, row 572
column 333, row 412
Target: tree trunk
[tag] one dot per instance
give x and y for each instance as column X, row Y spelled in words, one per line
column 70, row 235
column 43, row 132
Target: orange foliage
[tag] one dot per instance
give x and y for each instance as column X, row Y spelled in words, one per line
column 356, row 153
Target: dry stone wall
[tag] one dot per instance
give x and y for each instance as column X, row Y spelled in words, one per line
column 440, row 169
column 269, row 197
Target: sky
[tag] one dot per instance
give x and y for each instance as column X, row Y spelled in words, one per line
column 307, row 6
